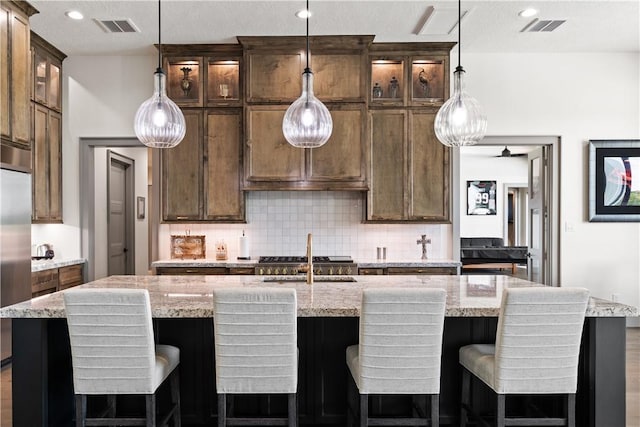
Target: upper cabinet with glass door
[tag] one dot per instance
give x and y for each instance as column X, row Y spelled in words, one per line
column 408, row 74
column 47, row 73
column 204, row 75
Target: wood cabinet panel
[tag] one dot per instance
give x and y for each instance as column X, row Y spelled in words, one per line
column 70, row 276
column 429, row 170
column 15, row 75
column 47, row 165
column 387, row 179
column 182, row 188
column 269, row 156
column 20, row 80
column 160, row 271
column 225, row 199
column 338, row 77
column 342, row 157
column 44, row 282
column 274, row 77
column 5, row 91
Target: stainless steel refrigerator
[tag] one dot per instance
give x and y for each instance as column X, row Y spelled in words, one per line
column 15, row 238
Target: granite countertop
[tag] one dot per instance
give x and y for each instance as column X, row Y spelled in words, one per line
column 362, row 263
column 48, row 264
column 191, row 297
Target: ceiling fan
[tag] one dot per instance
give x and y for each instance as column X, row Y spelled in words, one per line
column 507, row 153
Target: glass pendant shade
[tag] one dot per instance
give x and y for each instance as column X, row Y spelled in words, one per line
column 159, row 122
column 307, row 122
column 460, row 121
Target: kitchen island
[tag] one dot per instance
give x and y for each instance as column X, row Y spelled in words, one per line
column 327, row 323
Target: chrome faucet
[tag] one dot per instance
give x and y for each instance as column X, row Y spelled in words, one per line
column 308, row 267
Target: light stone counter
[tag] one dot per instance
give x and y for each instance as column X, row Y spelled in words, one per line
column 191, row 297
column 48, row 264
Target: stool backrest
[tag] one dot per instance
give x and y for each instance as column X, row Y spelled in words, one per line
column 255, row 340
column 112, row 344
column 538, row 339
column 401, row 340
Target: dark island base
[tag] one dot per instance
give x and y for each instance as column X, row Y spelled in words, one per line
column 43, row 393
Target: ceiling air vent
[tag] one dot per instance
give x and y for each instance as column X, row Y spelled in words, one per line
column 117, row 25
column 543, row 25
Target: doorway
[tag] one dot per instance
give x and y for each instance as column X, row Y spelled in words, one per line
column 515, row 221
column 549, row 253
column 120, row 234
column 93, row 203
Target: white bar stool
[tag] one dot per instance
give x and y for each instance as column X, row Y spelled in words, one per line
column 113, row 353
column 399, row 352
column 256, row 348
column 536, row 352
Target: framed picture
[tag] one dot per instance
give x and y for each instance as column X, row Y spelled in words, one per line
column 614, row 181
column 481, row 197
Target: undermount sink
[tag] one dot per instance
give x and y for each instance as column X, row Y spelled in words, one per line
column 303, row 278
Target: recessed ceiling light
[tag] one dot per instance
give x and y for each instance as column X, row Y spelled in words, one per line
column 528, row 12
column 303, row 14
column 74, row 14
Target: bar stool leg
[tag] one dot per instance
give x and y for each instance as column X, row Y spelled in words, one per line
column 571, row 410
column 293, row 410
column 501, row 409
column 151, row 409
column 364, row 410
column 435, row 410
column 222, row 410
column 81, row 410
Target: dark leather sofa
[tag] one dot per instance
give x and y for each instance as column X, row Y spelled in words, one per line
column 479, row 252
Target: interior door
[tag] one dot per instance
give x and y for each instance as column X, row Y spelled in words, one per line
column 538, row 213
column 119, row 205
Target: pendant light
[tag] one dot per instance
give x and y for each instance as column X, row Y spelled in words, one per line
column 307, row 122
column 460, row 121
column 159, row 122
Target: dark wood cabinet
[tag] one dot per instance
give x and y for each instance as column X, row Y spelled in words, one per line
column 383, row 98
column 202, row 176
column 182, row 173
column 15, row 73
column 206, row 271
column 449, row 271
column 47, row 165
column 409, row 168
column 46, row 131
column 56, row 279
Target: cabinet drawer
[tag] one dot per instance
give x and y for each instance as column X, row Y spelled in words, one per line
column 423, row 270
column 246, row 271
column 70, row 276
column 44, row 282
column 191, row 271
column 371, row 271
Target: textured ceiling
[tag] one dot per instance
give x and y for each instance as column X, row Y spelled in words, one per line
column 490, row 26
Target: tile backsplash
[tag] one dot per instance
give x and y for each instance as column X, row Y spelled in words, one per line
column 278, row 223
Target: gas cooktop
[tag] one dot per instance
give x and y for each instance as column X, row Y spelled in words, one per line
column 303, row 259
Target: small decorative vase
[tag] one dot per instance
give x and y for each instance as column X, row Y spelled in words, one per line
column 185, row 83
column 394, row 87
column 377, row 90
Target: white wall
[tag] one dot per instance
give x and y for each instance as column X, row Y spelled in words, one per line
column 575, row 96
column 100, row 97
column 511, row 170
column 141, row 232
